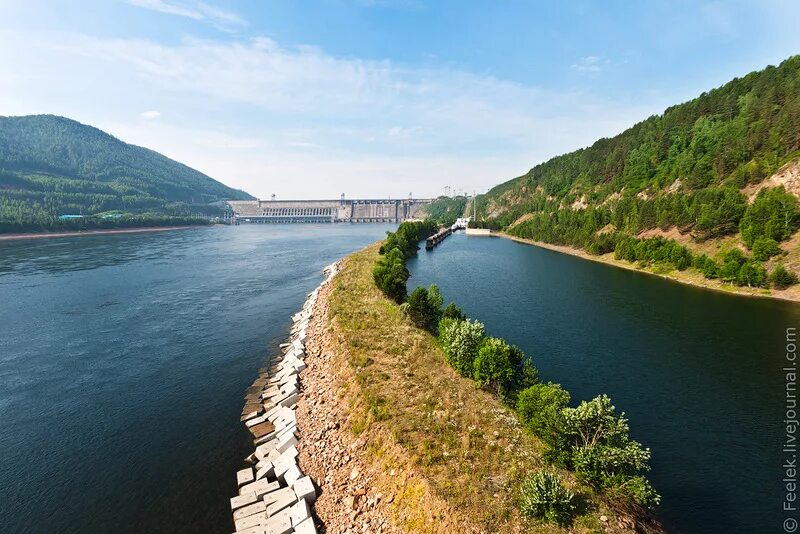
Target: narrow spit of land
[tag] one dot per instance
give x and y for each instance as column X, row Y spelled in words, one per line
column 47, row 235
column 689, row 277
column 396, row 441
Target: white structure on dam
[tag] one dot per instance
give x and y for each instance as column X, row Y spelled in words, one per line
column 327, row 211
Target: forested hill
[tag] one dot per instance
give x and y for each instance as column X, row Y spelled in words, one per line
column 713, row 168
column 52, row 166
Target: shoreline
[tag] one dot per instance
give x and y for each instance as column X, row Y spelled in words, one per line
column 683, row 277
column 82, row 233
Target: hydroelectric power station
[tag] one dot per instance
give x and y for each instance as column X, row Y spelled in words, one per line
column 326, row 211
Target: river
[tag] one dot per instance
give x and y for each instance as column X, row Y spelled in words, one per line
column 123, row 365
column 698, row 373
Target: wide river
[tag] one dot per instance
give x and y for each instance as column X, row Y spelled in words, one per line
column 698, row 373
column 124, row 359
column 123, row 365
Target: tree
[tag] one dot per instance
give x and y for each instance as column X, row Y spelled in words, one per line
column 461, row 341
column 424, row 307
column 539, row 408
column 764, row 248
column 453, row 312
column 495, row 365
column 780, row 278
column 594, row 441
column 752, row 274
column 390, row 274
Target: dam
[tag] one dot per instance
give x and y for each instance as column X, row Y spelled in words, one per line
column 327, row 211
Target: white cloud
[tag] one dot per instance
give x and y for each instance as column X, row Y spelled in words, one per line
column 150, row 115
column 192, row 9
column 298, row 121
column 590, row 64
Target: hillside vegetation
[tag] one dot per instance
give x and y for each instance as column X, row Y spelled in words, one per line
column 723, row 167
column 52, row 166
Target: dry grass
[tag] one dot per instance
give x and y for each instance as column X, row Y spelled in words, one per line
column 461, row 453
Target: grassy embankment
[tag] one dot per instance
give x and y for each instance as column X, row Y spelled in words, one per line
column 466, row 451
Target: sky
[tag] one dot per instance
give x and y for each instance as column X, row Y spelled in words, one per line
column 375, row 98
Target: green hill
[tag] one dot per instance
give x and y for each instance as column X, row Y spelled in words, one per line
column 703, row 170
column 52, row 166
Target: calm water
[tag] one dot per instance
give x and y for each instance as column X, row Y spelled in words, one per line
column 697, row 372
column 123, row 364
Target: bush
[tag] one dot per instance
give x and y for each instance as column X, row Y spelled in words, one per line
column 752, row 274
column 390, row 274
column 496, row 365
column 453, row 312
column 425, row 307
column 539, row 409
column 593, row 440
column 461, row 341
column 764, row 248
column 774, row 214
column 544, row 497
column 780, row 278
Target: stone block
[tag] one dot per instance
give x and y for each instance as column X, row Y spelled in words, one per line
column 259, row 487
column 304, row 489
column 292, row 475
column 250, row 521
column 243, row 500
column 306, row 527
column 262, row 429
column 255, row 508
column 244, row 476
column 280, row 523
column 300, row 511
column 284, row 500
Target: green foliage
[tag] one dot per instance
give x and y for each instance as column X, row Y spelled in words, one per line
column 453, row 312
column 539, row 408
column 752, row 274
column 51, row 166
column 773, row 215
column 445, row 210
column 593, row 440
column 764, row 248
column 543, row 496
column 390, row 274
column 780, row 278
column 653, row 250
column 424, row 307
column 461, row 340
column 681, row 169
column 407, row 236
column 500, row 367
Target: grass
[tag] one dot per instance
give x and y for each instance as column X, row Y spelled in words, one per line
column 461, row 453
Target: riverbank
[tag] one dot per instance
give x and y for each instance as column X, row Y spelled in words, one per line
column 689, row 276
column 397, row 441
column 48, row 235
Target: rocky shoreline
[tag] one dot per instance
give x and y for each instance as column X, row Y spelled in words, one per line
column 275, row 496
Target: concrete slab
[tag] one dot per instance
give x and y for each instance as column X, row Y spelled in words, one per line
column 280, row 523
column 244, row 476
column 285, row 500
column 255, row 508
column 300, row 512
column 304, row 489
column 250, row 521
column 243, row 500
column 259, row 487
column 262, row 429
column 292, row 475
column 306, row 527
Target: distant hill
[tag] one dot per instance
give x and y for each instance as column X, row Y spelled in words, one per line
column 52, row 166
column 710, row 185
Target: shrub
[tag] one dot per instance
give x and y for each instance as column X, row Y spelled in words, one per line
column 425, row 307
column 494, row 367
column 594, row 441
column 390, row 274
column 781, row 278
column 774, row 214
column 461, row 341
column 453, row 312
column 539, row 408
column 764, row 248
column 544, row 497
column 752, row 274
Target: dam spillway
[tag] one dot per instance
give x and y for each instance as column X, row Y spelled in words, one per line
column 326, row 211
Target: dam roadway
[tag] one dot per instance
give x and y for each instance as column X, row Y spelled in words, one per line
column 327, row 211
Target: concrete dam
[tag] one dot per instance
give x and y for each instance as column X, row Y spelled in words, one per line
column 327, row 211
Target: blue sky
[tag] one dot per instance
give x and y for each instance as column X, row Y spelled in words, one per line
column 374, row 97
